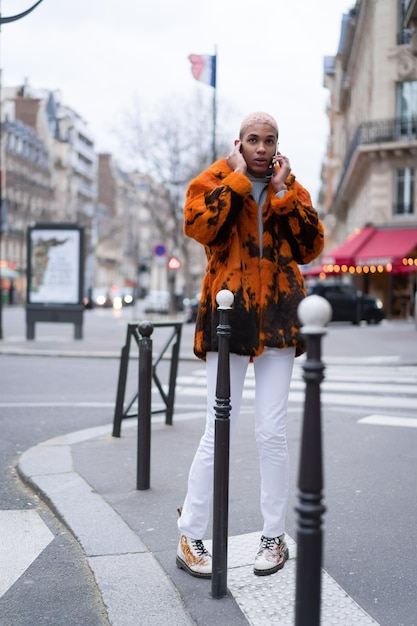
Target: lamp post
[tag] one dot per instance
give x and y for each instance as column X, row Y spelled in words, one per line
column 6, row 20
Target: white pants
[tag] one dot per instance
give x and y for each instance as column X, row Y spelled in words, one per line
column 273, row 370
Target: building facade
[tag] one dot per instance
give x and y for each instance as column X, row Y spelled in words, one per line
column 124, row 231
column 367, row 199
column 52, row 173
column 28, row 193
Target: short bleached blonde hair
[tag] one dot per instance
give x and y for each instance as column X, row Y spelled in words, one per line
column 259, row 117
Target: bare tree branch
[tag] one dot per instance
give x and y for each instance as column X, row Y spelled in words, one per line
column 171, row 144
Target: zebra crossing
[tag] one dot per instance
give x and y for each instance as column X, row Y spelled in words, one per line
column 378, row 385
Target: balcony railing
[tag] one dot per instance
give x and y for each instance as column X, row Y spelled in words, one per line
column 398, row 129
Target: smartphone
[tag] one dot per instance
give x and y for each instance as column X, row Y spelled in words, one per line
column 271, row 169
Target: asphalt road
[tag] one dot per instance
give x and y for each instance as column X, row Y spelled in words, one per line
column 370, row 539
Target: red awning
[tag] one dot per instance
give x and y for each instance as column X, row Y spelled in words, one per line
column 388, row 246
column 345, row 254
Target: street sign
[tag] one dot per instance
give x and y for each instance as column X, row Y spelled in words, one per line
column 174, row 263
column 160, row 250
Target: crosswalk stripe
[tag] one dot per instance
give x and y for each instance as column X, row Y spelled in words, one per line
column 368, row 387
column 355, row 386
column 52, row 403
column 389, row 420
column 23, row 537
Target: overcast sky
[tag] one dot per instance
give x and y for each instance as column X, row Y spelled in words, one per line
column 102, row 54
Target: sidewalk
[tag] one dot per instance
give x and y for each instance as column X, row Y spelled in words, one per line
column 130, row 537
column 104, row 334
column 343, row 343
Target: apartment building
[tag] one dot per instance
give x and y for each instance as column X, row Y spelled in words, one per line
column 124, row 232
column 52, row 173
column 29, row 191
column 368, row 197
column 49, row 166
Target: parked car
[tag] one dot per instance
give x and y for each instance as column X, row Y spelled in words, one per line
column 99, row 296
column 123, row 297
column 157, row 302
column 348, row 304
column 107, row 298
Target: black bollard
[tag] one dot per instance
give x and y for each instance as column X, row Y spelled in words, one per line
column 221, row 450
column 314, row 312
column 144, row 406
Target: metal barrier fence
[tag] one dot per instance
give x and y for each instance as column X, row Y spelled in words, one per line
column 133, row 331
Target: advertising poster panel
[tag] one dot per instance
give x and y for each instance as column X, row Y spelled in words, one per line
column 54, row 257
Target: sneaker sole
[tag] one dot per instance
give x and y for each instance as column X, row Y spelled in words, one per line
column 182, row 565
column 272, row 570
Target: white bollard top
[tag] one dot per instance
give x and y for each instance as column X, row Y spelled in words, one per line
column 225, row 299
column 314, row 312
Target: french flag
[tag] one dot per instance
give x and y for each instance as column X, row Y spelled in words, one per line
column 203, row 67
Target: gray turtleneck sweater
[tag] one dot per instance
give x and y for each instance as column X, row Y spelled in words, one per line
column 259, row 186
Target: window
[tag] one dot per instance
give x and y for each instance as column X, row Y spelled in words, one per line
column 407, row 109
column 404, row 191
column 403, row 34
column 407, row 99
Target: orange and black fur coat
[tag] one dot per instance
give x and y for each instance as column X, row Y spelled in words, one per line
column 221, row 214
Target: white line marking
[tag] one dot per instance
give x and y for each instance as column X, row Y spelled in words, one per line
column 389, row 420
column 23, row 537
column 77, row 405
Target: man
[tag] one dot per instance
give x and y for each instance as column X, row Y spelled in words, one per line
column 257, row 224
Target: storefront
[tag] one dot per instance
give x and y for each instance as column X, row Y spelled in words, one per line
column 381, row 262
column 9, row 276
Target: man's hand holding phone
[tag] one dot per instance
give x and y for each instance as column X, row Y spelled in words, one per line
column 279, row 175
column 235, row 159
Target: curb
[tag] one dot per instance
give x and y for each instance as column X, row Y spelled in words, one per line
column 128, row 576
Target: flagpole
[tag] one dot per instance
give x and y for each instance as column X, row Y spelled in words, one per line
column 214, row 147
